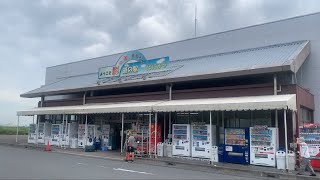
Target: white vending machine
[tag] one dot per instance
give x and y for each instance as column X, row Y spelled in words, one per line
column 68, row 133
column 81, row 135
column 56, row 131
column 181, row 145
column 94, row 131
column 105, row 132
column 263, row 146
column 201, row 140
column 44, row 132
column 32, row 135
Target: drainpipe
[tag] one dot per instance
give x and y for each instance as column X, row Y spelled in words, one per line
column 170, row 92
column 84, row 98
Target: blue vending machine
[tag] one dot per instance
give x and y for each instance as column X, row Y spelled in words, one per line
column 237, row 147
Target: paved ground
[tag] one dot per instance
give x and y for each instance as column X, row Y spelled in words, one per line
column 19, row 163
column 12, row 139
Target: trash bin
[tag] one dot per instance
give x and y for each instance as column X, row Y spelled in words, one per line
column 281, row 159
column 168, row 149
column 291, row 160
column 214, row 154
column 160, row 149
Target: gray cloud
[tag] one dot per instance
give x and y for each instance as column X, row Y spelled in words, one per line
column 37, row 34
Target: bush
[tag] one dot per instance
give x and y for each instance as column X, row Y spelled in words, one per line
column 12, row 130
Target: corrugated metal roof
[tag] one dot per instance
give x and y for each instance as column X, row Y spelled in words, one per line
column 274, row 58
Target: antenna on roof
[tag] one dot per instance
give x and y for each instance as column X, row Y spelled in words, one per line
column 195, row 21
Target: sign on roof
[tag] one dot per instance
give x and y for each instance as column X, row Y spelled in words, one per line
column 131, row 64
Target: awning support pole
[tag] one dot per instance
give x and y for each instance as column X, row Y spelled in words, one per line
column 211, row 140
column 86, row 131
column 170, row 123
column 17, row 129
column 122, row 126
column 286, row 137
column 150, row 135
column 164, row 126
column 155, row 134
column 37, row 129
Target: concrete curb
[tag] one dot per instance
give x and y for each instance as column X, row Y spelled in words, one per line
column 184, row 165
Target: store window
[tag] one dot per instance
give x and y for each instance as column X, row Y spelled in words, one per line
column 305, row 116
column 261, row 118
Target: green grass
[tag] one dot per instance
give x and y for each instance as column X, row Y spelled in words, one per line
column 11, row 130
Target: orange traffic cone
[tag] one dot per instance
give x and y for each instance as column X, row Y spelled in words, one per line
column 127, row 156
column 48, row 146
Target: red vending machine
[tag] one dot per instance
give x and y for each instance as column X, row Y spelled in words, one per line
column 155, row 137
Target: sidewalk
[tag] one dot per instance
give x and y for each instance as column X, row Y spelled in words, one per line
column 224, row 168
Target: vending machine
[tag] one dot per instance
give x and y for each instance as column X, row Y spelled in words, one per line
column 155, row 137
column 32, row 135
column 81, row 135
column 263, row 145
column 105, row 135
column 56, row 131
column 237, row 145
column 44, row 132
column 181, row 145
column 68, row 133
column 201, row 140
column 311, row 134
column 94, row 131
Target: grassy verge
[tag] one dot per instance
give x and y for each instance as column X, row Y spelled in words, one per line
column 11, row 130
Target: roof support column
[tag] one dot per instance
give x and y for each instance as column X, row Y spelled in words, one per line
column 17, row 129
column 286, row 137
column 122, row 126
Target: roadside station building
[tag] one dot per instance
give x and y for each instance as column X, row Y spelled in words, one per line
column 265, row 74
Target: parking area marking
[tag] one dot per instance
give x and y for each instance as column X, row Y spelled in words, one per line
column 82, row 164
column 128, row 170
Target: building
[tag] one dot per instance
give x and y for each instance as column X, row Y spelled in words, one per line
column 259, row 75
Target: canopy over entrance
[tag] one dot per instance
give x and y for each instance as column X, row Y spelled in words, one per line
column 212, row 104
column 230, row 104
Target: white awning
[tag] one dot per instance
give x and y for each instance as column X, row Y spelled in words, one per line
column 212, row 104
column 229, row 104
column 92, row 108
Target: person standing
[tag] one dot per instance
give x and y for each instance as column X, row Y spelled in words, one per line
column 304, row 158
column 131, row 147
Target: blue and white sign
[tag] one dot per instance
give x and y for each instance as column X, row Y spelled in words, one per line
column 134, row 63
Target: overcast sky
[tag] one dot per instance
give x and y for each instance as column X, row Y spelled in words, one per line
column 35, row 34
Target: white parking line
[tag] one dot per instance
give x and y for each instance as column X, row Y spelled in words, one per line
column 82, row 164
column 128, row 170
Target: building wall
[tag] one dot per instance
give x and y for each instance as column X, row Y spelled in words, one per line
column 299, row 28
